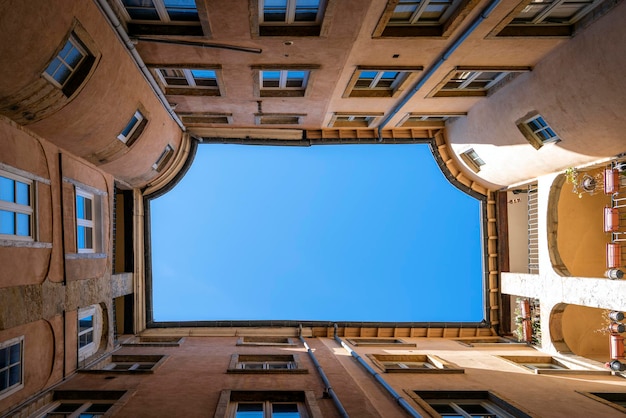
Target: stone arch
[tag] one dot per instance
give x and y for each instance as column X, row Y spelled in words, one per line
column 579, row 330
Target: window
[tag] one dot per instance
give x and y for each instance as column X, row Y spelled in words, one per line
column 81, row 403
column 488, row 342
column 194, row 119
column 266, row 404
column 16, row 207
column 128, row 364
column 267, row 341
column 70, row 66
column 537, row 131
column 277, row 119
column 467, row 404
column 421, row 18
column 354, row 120
column 289, row 17
column 266, row 363
column 426, row 120
column 367, row 82
column 283, row 83
column 473, row 161
column 11, row 370
column 472, row 82
column 164, row 158
column 615, row 400
column 422, row 363
column 85, row 222
column 133, row 129
column 162, row 17
column 549, row 18
column 379, row 342
column 85, row 329
column 551, row 365
column 155, row 342
column 187, row 81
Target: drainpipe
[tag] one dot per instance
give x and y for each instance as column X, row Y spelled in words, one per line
column 399, row 399
column 114, row 21
column 328, row 390
column 486, row 12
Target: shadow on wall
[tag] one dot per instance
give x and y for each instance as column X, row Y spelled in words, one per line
column 580, row 330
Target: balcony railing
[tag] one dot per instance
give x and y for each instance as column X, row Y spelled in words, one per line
column 533, row 230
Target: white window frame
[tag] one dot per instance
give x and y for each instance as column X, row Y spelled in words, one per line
column 266, row 365
column 166, row 152
column 290, row 14
column 549, row 8
column 161, row 10
column 414, row 20
column 379, row 74
column 9, row 390
column 267, row 407
column 546, row 128
column 90, row 348
column 189, row 77
column 470, row 76
column 84, row 406
column 87, row 223
column 472, row 159
column 485, row 403
column 75, row 44
column 284, row 78
column 139, row 118
column 17, row 208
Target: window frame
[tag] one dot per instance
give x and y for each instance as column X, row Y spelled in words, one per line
column 18, row 208
column 532, row 135
column 164, row 25
column 238, row 364
column 289, row 27
column 135, row 130
column 372, row 118
column 282, row 90
column 443, row 28
column 262, row 340
column 405, row 76
column 164, row 158
column 191, row 88
column 305, row 399
column 505, row 75
column 602, row 398
column 428, row 119
column 278, row 118
column 10, row 390
column 85, row 399
column 432, row 364
column 472, row 160
column 89, row 348
column 537, row 27
column 489, row 400
column 76, row 44
column 563, row 366
column 379, row 342
column 87, row 223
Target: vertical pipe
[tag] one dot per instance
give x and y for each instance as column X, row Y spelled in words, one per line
column 327, row 388
column 399, row 399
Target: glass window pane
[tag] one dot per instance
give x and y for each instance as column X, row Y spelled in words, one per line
column 4, row 357
column 15, row 375
column 249, row 410
column 369, row 75
column 7, row 222
column 22, row 193
column 4, row 379
column 62, row 74
column 203, row 73
column 7, row 189
column 74, row 57
column 23, row 225
column 85, row 323
column 285, row 410
column 99, row 407
column 130, row 126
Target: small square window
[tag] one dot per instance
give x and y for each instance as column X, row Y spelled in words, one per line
column 164, row 158
column 473, row 82
column 404, row 18
column 553, row 18
column 537, row 131
column 161, row 17
column 266, row 341
column 266, row 404
column 379, row 82
column 69, row 68
column 288, row 17
column 489, row 342
column 11, row 366
column 379, row 342
column 278, row 119
column 283, row 83
column 473, row 161
column 466, row 404
column 17, row 215
column 416, row 120
column 190, row 81
column 266, row 363
column 420, row 363
column 354, row 120
column 133, row 129
column 86, row 231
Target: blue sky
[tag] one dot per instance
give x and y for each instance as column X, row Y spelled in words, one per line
column 333, row 233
